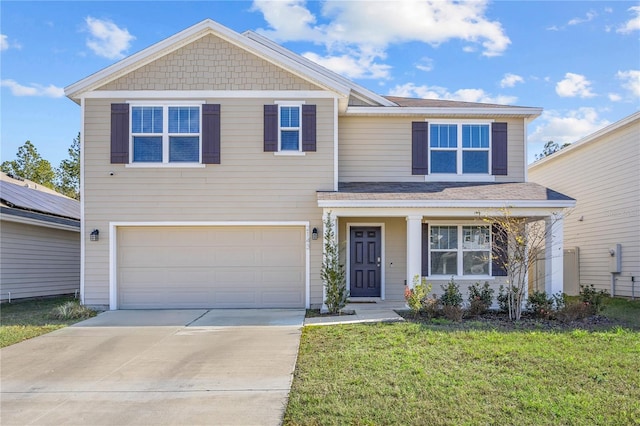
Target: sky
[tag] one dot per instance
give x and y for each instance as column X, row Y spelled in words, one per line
column 578, row 60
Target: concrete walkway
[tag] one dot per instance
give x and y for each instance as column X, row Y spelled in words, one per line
column 362, row 312
column 166, row 367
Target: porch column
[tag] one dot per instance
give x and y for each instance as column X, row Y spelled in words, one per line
column 414, row 248
column 554, row 256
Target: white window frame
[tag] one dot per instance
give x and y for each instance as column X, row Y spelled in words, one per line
column 459, row 273
column 459, row 175
column 165, row 133
column 285, row 104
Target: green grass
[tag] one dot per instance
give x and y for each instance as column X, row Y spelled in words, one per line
column 624, row 310
column 416, row 374
column 23, row 320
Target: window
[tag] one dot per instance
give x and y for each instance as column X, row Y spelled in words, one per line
column 165, row 134
column 459, row 148
column 460, row 250
column 290, row 118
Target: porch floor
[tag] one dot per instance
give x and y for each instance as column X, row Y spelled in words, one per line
column 378, row 311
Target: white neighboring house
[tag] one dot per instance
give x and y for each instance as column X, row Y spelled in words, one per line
column 40, row 241
column 601, row 171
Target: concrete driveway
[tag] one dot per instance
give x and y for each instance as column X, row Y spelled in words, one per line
column 179, row 367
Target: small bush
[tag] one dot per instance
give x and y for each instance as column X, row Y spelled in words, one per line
column 72, row 310
column 540, row 305
column 431, row 306
column 453, row 312
column 416, row 296
column 593, row 298
column 574, row 310
column 480, row 298
column 451, row 295
column 503, row 297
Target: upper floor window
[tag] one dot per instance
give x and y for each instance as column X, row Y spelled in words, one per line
column 290, row 119
column 290, row 127
column 165, row 134
column 459, row 148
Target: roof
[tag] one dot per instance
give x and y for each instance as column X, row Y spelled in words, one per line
column 454, row 193
column 587, row 140
column 27, row 198
column 439, row 103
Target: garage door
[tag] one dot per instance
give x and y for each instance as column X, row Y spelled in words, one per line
column 211, row 267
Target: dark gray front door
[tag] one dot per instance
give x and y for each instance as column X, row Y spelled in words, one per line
column 366, row 261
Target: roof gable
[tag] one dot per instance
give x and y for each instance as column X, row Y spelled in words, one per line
column 191, row 34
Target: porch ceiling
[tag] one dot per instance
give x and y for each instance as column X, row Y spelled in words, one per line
column 441, row 194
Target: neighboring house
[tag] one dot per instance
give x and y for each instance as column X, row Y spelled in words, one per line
column 40, row 241
column 602, row 172
column 210, row 160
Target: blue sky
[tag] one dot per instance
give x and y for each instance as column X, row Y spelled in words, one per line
column 579, row 60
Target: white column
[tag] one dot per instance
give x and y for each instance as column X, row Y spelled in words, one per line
column 414, row 248
column 554, row 256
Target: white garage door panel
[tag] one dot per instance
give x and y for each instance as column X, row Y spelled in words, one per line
column 211, row 267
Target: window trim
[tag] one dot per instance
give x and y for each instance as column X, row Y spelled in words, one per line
column 460, row 175
column 165, row 135
column 459, row 273
column 289, row 152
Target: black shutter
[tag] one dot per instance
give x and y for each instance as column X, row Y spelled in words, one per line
column 309, row 128
column 211, row 134
column 270, row 128
column 425, row 249
column 499, row 149
column 119, row 133
column 499, row 245
column 419, row 148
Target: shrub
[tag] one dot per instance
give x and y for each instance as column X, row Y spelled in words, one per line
column 72, row 310
column 573, row 310
column 593, row 298
column 503, row 297
column 480, row 298
column 453, row 312
column 540, row 305
column 451, row 295
column 416, row 296
column 431, row 306
column 333, row 273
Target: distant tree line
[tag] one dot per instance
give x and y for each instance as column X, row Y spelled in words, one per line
column 550, row 148
column 28, row 164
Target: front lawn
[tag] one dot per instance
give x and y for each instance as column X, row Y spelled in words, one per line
column 445, row 374
column 21, row 320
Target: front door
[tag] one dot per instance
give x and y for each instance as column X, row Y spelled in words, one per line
column 366, row 261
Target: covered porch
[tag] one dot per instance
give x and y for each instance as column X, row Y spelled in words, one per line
column 389, row 233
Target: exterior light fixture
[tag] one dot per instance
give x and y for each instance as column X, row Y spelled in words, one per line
column 314, row 234
column 95, row 235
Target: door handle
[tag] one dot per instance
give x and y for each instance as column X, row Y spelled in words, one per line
column 379, row 260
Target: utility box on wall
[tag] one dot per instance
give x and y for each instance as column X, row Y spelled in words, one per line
column 615, row 261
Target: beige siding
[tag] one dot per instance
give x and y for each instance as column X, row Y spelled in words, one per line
column 604, row 177
column 38, row 261
column 249, row 185
column 379, row 149
column 209, row 63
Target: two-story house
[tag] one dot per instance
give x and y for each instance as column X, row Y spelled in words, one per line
column 210, row 160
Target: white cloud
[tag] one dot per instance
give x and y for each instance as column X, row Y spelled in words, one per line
column 510, row 80
column 630, row 81
column 574, row 85
column 107, row 39
column 410, row 90
column 4, row 42
column 365, row 30
column 566, row 127
column 351, row 66
column 33, row 89
column 425, row 64
column 588, row 17
column 633, row 24
column 614, row 97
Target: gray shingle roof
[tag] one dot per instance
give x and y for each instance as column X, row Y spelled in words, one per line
column 25, row 198
column 443, row 191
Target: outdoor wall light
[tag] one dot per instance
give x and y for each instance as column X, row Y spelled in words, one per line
column 95, row 235
column 314, row 234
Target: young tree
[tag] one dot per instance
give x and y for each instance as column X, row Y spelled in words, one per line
column 332, row 273
column 550, row 148
column 30, row 165
column 68, row 174
column 517, row 245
